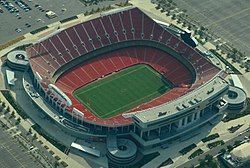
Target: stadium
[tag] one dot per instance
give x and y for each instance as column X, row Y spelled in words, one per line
column 124, row 74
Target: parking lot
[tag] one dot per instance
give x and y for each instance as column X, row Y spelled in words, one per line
column 18, row 23
column 14, row 155
column 228, row 19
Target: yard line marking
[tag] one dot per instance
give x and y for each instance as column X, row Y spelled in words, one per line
column 133, row 102
column 111, row 80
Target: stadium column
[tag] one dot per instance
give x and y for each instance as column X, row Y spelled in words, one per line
column 180, row 123
column 141, row 133
column 46, row 95
column 64, row 111
column 38, row 85
column 72, row 116
column 198, row 114
column 193, row 117
column 185, row 122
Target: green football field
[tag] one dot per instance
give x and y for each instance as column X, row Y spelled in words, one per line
column 122, row 91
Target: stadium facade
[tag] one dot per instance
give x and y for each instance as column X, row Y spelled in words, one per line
column 87, row 52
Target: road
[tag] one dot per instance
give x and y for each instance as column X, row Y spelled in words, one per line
column 213, row 151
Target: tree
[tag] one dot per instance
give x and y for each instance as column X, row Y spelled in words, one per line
column 234, row 51
column 174, row 16
column 18, row 120
column 178, row 21
column 158, row 7
column 12, row 114
column 3, row 104
column 230, row 148
column 86, row 13
column 223, row 151
column 56, row 164
column 209, row 158
column 184, row 24
column 202, row 28
column 30, row 131
column 237, row 143
column 34, row 136
column 206, row 39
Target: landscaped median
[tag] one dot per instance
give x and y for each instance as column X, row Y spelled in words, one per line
column 39, row 30
column 214, row 144
column 169, row 161
column 196, row 153
column 234, row 128
column 68, row 19
column 187, row 149
column 210, row 137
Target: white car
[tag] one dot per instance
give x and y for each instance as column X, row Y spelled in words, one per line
column 18, row 30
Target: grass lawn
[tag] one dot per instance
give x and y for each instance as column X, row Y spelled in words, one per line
column 122, row 91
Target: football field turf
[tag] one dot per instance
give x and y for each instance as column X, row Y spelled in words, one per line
column 122, row 90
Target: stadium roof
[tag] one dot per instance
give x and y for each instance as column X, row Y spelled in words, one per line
column 236, row 81
column 183, row 103
column 10, row 77
column 86, row 149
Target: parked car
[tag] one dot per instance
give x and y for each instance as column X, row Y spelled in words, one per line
column 27, row 25
column 18, row 30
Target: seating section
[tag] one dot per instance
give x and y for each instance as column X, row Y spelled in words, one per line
column 106, row 64
column 47, row 56
column 78, row 40
column 103, row 65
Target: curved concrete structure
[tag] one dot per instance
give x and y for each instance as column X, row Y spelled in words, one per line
column 236, row 98
column 17, row 59
column 121, row 151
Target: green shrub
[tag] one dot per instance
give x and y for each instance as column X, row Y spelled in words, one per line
column 69, row 19
column 39, row 30
column 14, row 104
column 210, row 137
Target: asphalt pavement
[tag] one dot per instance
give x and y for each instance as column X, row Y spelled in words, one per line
column 14, row 155
column 36, row 17
column 214, row 151
column 226, row 19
